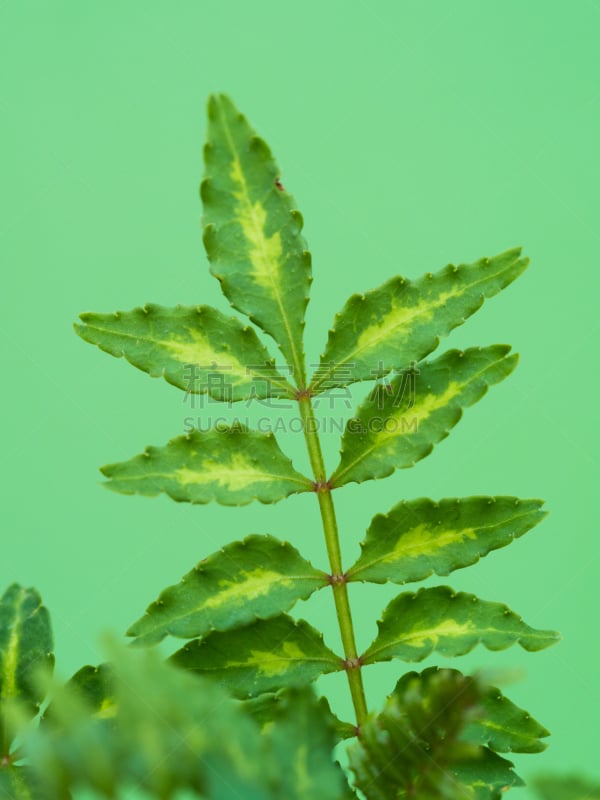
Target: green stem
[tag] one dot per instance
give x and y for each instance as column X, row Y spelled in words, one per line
column 338, row 581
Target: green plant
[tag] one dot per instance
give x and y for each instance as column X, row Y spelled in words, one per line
column 137, row 722
column 232, row 607
column 573, row 787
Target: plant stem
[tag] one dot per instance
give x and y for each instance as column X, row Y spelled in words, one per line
column 338, row 581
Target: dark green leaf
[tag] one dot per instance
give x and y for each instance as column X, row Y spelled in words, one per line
column 487, row 775
column 196, row 348
column 262, row 657
column 402, row 322
column 504, row 727
column 451, row 623
column 253, row 231
column 396, row 429
column 254, row 579
column 415, row 747
column 420, row 537
column 499, row 724
column 230, row 465
column 26, row 646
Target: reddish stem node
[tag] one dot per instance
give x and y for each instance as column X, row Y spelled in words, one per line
column 321, row 486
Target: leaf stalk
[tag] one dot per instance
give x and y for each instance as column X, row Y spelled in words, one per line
column 330, row 529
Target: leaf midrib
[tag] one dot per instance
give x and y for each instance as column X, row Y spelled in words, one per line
column 250, row 209
column 169, row 475
column 10, row 660
column 197, row 609
column 165, row 343
column 478, row 634
column 480, row 529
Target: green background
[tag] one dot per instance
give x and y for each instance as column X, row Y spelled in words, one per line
column 411, row 134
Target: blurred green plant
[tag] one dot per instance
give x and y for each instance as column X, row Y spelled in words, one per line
column 440, row 732
column 566, row 787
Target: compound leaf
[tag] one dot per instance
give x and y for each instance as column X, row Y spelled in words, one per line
column 402, row 322
column 196, row 348
column 262, row 657
column 26, row 645
column 254, row 579
column 232, row 466
column 420, row 537
column 253, row 233
column 397, row 428
column 498, row 724
column 452, row 623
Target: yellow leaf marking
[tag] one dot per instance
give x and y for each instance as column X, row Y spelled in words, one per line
column 107, row 710
column 234, row 476
column 423, row 540
column 449, row 628
column 399, row 316
column 11, row 655
column 271, row 664
column 197, row 350
column 422, row 410
column 265, row 251
column 253, row 584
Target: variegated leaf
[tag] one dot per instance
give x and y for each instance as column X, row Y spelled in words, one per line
column 262, row 657
column 255, row 579
column 452, row 623
column 26, row 645
column 253, row 233
column 232, row 466
column 420, row 537
column 402, row 322
column 498, row 723
column 397, row 428
column 196, row 348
